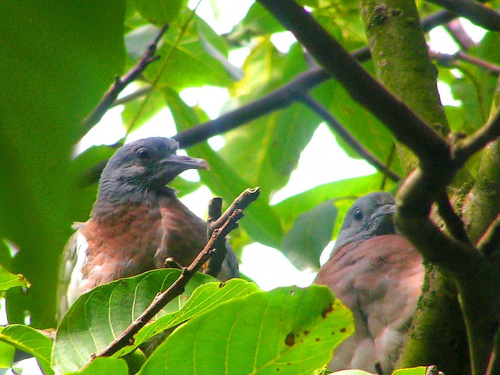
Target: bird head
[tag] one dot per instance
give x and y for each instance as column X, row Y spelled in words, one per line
column 369, row 216
column 143, row 167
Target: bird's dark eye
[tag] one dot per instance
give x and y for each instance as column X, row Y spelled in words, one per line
column 143, row 154
column 357, row 214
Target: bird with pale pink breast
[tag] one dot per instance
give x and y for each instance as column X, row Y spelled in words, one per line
column 137, row 222
column 378, row 274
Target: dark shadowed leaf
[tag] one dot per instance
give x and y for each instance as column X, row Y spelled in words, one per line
column 309, row 235
column 99, row 316
column 59, row 59
column 286, row 331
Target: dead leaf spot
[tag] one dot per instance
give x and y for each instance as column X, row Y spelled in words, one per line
column 307, row 332
column 290, row 339
column 317, row 339
column 327, row 311
column 343, row 330
column 222, row 285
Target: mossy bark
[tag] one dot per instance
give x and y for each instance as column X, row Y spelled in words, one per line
column 402, row 64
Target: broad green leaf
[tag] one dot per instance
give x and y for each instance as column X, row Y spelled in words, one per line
column 203, row 299
column 260, row 221
column 185, row 62
column 105, row 366
column 411, row 371
column 286, row 331
column 102, row 314
column 59, row 60
column 30, row 341
column 159, row 12
column 352, row 372
column 9, row 280
column 7, row 353
column 309, row 235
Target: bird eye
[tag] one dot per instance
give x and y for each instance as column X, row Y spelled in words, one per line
column 142, row 154
column 357, row 214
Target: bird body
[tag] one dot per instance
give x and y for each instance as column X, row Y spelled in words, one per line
column 137, row 222
column 378, row 274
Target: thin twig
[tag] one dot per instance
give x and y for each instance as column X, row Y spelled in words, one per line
column 177, row 288
column 474, row 11
column 447, row 59
column 241, row 203
column 453, row 223
column 120, row 83
column 136, row 94
column 343, row 133
column 459, row 35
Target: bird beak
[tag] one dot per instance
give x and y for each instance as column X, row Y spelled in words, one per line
column 381, row 220
column 173, row 165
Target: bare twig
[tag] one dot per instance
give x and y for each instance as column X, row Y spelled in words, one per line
column 453, row 222
column 446, row 59
column 136, row 94
column 479, row 14
column 120, row 83
column 342, row 132
column 459, row 35
column 232, row 216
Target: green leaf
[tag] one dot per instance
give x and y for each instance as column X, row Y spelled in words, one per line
column 203, row 299
column 411, row 371
column 105, row 366
column 30, row 341
column 159, row 12
column 185, row 62
column 99, row 316
column 9, row 280
column 286, row 331
column 309, row 235
column 258, row 21
column 60, row 59
column 260, row 221
column 7, row 353
column 136, row 113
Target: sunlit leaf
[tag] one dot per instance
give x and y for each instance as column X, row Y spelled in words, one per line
column 105, row 366
column 30, row 341
column 159, row 12
column 285, row 331
column 9, row 280
column 99, row 316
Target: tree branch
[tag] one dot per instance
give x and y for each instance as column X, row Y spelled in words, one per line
column 416, row 134
column 474, row 11
column 120, row 83
column 230, row 222
column 489, row 244
column 342, row 132
column 453, row 223
column 465, row 148
column 445, row 60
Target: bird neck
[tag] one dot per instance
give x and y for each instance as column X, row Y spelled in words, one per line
column 111, row 196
